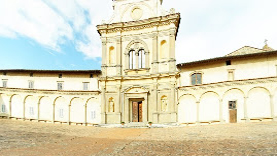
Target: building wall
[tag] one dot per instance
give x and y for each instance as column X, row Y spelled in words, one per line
column 51, row 106
column 253, row 88
column 48, row 81
column 244, row 68
column 44, row 102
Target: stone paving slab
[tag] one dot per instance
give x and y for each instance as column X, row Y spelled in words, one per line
column 19, row 138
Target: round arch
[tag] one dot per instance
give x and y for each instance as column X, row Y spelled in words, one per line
column 258, row 103
column 31, row 107
column 233, row 95
column 61, row 109
column 209, row 107
column 187, row 109
column 93, row 114
column 45, row 108
column 16, row 106
column 77, row 110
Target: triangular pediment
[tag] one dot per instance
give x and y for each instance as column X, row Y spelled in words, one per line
column 136, row 90
column 246, row 50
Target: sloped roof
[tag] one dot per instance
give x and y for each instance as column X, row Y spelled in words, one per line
column 246, row 50
column 250, row 50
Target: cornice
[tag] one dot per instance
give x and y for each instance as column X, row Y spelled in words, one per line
column 139, row 77
column 229, row 83
column 141, row 24
column 48, row 92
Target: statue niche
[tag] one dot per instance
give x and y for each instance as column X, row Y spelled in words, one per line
column 164, row 104
column 111, row 105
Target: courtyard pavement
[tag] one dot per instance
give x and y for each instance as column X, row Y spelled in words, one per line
column 24, row 138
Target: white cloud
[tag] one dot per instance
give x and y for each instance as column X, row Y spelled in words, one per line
column 209, row 28
column 35, row 20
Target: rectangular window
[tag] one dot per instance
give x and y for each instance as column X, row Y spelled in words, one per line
column 5, row 83
column 61, row 113
column 3, row 108
column 85, row 86
column 92, row 115
column 4, row 73
column 31, row 74
column 31, row 111
column 228, row 63
column 232, row 104
column 31, row 85
column 196, row 79
column 231, row 75
column 91, row 76
column 60, row 75
column 60, row 86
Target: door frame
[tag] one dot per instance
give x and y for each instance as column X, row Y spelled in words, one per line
column 131, row 100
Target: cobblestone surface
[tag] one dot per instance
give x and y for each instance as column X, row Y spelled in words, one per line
column 29, row 138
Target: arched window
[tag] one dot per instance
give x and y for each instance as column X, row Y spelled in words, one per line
column 132, row 59
column 164, row 103
column 196, row 78
column 137, row 59
column 163, row 50
column 111, row 105
column 111, row 55
column 141, row 58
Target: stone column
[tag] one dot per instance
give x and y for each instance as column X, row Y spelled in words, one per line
column 54, row 112
column 117, row 106
column 172, row 64
column 272, row 106
column 155, row 51
column 24, row 103
column 122, row 107
column 69, row 110
column 146, row 114
column 172, row 99
column 118, row 55
column 103, row 105
column 137, row 59
column 127, row 61
column 198, row 114
column 38, row 110
column 104, row 56
column 10, row 107
column 126, row 112
column 221, row 110
column 86, row 114
column 147, row 60
column 172, row 43
column 104, row 51
column 245, row 109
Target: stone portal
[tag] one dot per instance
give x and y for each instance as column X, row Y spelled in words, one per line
column 137, row 112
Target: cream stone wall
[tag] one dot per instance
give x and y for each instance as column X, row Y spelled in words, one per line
column 139, row 25
column 51, row 106
column 248, row 68
column 46, row 81
column 45, row 103
column 253, row 89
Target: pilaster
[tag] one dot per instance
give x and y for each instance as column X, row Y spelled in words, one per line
column 118, row 55
column 245, row 110
column 103, row 105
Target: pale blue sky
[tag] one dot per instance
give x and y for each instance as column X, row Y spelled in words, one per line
column 61, row 34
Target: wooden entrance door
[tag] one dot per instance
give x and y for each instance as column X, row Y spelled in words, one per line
column 233, row 113
column 137, row 112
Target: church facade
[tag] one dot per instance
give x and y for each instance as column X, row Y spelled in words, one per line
column 139, row 81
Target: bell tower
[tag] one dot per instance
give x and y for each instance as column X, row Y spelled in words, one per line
column 138, row 46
